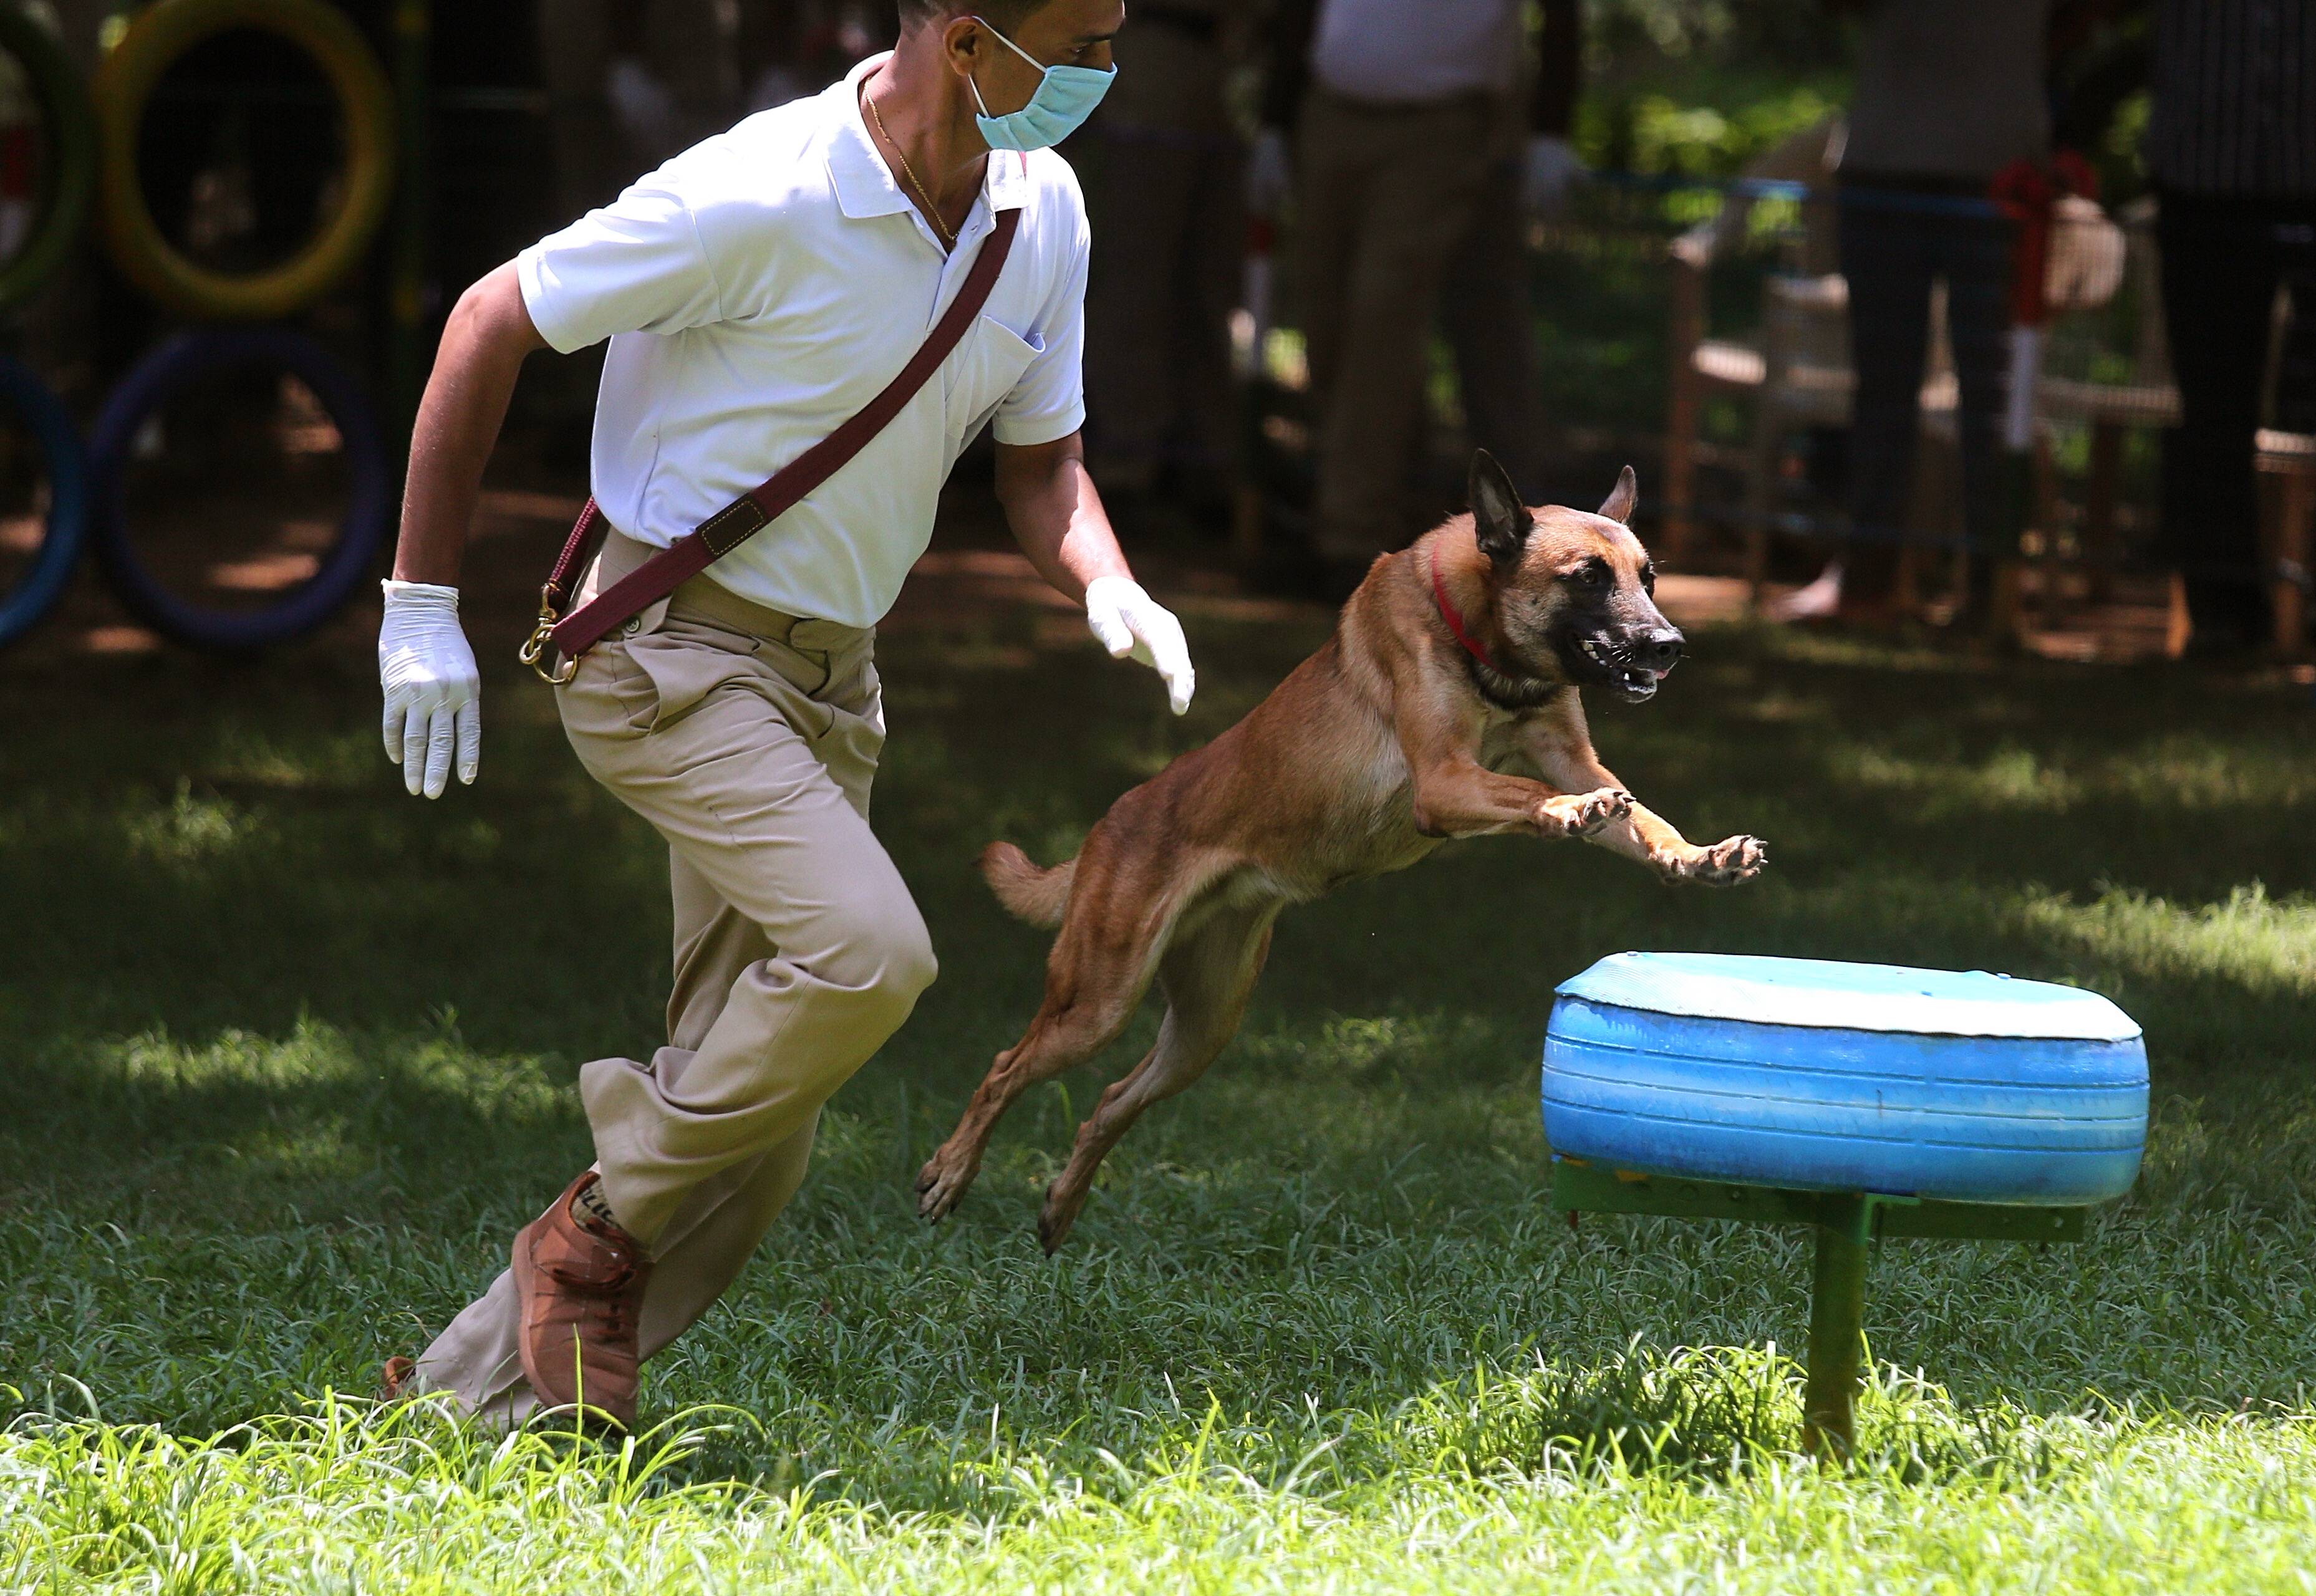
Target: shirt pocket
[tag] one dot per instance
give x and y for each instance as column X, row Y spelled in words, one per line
column 992, row 361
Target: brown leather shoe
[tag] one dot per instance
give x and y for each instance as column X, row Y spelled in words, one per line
column 580, row 1287
column 394, row 1379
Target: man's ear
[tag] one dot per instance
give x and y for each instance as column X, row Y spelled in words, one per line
column 961, row 44
column 1619, row 504
column 1500, row 521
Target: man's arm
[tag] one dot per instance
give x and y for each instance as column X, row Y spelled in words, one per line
column 434, row 693
column 1058, row 521
column 1287, row 36
column 1552, row 163
column 1056, row 516
column 1559, row 70
column 484, row 345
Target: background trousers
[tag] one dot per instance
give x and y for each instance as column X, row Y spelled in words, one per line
column 1892, row 257
column 1387, row 196
column 748, row 739
column 2223, row 257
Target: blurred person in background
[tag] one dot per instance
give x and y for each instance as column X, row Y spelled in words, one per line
column 628, row 83
column 1161, row 164
column 1949, row 92
column 1424, row 132
column 2230, row 149
column 675, row 76
column 795, row 48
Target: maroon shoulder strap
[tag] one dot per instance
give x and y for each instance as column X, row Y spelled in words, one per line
column 574, row 633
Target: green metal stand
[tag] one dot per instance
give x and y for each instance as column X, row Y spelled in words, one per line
column 1836, row 1340
column 1848, row 1224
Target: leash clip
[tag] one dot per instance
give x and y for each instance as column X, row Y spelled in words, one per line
column 536, row 647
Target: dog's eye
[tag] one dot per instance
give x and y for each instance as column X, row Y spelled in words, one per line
column 1648, row 579
column 1592, row 573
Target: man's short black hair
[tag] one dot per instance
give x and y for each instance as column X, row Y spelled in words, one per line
column 1003, row 15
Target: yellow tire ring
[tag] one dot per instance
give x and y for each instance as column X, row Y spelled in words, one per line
column 160, row 35
column 68, row 158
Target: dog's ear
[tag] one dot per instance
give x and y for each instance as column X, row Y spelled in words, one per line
column 1618, row 506
column 1500, row 523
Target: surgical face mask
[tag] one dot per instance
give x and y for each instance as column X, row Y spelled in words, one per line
column 1066, row 97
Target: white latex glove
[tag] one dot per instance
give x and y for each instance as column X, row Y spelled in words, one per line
column 433, row 695
column 1270, row 175
column 1551, row 165
column 1126, row 620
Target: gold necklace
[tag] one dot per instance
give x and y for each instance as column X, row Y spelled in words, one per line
column 932, row 211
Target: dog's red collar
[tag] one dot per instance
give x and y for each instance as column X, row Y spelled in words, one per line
column 1454, row 620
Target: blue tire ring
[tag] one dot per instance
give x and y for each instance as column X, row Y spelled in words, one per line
column 160, row 377
column 68, row 496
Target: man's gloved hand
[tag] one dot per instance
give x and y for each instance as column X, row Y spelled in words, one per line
column 434, row 697
column 1129, row 620
column 1270, row 175
column 1552, row 165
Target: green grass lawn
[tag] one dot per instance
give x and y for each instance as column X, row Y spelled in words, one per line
column 288, row 1055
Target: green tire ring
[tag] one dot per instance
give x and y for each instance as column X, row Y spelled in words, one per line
column 67, row 163
column 160, row 35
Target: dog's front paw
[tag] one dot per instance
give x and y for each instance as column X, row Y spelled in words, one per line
column 1581, row 814
column 1726, row 864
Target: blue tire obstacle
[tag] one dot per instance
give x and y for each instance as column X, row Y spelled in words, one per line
column 43, row 581
column 174, row 366
column 1866, row 1100
column 1863, row 1077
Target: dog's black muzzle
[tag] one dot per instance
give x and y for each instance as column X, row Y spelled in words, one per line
column 1629, row 664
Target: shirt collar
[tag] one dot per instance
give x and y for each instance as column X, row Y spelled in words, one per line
column 865, row 185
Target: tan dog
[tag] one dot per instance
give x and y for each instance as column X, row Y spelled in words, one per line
column 1457, row 660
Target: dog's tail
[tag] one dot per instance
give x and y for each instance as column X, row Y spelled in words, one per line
column 1037, row 895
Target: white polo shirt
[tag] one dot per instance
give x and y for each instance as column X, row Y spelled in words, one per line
column 763, row 286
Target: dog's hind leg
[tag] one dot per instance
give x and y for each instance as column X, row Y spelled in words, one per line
column 1206, row 977
column 1095, row 979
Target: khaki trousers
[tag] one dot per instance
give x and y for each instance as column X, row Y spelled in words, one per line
column 748, row 739
column 1386, row 194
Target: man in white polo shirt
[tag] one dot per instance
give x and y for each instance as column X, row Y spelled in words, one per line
column 757, row 291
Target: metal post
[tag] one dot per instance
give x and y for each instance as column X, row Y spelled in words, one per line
column 1837, row 1341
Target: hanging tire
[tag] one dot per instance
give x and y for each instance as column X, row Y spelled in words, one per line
column 156, row 40
column 1800, row 1073
column 342, row 568
column 68, row 163
column 44, row 580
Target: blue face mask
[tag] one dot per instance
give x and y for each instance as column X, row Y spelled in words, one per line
column 1066, row 97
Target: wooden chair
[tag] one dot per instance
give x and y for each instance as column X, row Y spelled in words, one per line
column 1797, row 372
column 1794, row 373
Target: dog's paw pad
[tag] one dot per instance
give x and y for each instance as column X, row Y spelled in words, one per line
column 1733, row 861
